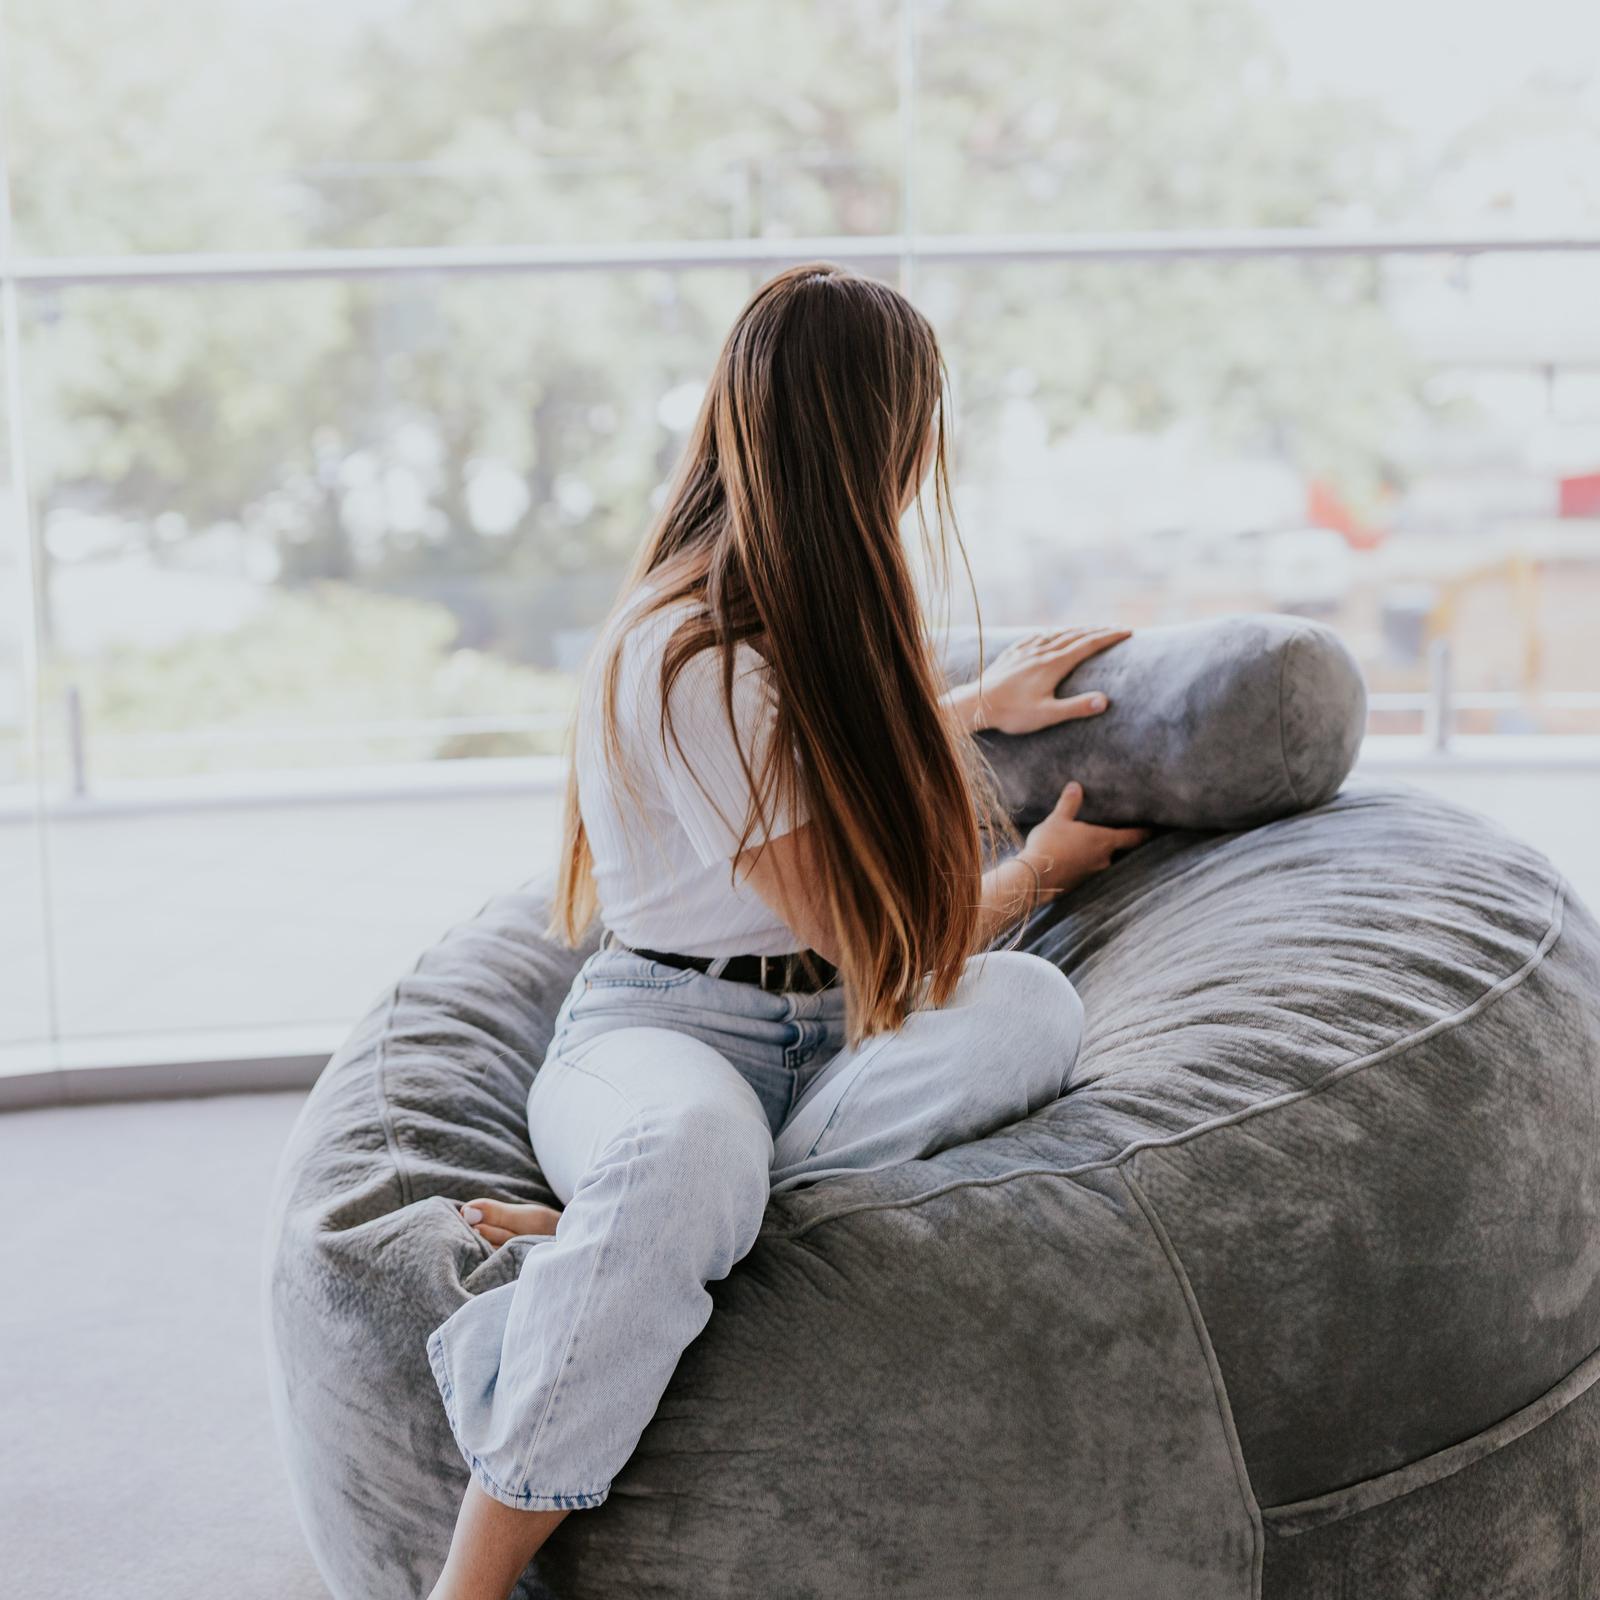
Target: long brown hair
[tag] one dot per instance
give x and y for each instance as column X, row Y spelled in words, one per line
column 782, row 522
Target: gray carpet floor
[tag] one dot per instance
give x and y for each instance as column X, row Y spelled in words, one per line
column 137, row 1458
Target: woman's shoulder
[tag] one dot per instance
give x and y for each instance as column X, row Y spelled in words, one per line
column 640, row 632
column 634, row 638
column 640, row 610
column 644, row 634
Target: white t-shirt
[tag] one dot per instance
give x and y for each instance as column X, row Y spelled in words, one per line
column 662, row 874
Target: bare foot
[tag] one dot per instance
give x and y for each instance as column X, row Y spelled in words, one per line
column 497, row 1220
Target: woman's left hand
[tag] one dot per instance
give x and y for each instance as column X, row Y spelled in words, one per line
column 1019, row 685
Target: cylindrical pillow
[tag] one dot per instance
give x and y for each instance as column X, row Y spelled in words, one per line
column 1224, row 723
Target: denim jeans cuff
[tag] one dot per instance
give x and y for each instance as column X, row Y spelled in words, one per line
column 523, row 1499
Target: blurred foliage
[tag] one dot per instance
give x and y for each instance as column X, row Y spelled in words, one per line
column 444, row 436
column 325, row 657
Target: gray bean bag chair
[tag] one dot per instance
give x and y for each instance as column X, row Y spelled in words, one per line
column 1295, row 1292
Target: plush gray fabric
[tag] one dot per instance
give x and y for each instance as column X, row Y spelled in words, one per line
column 1215, row 724
column 1290, row 1294
column 1518, row 1517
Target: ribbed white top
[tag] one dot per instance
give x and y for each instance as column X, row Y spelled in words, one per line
column 663, row 863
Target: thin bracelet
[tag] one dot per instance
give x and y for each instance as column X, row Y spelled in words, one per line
column 1038, row 883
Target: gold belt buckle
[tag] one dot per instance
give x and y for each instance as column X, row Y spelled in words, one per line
column 763, row 972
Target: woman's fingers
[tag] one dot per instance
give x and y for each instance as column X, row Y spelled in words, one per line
column 1069, row 652
column 1055, row 638
column 1049, row 643
column 1049, row 639
column 1061, row 648
column 1044, row 641
column 1027, row 644
column 1075, row 706
column 1127, row 838
column 499, row 1220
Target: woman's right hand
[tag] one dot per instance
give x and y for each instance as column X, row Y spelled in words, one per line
column 1066, row 851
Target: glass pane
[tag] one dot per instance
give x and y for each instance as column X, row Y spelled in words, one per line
column 265, row 125
column 310, row 549
column 338, row 523
column 1173, row 114
column 25, row 1024
column 1408, row 448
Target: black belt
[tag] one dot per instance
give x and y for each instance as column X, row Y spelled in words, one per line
column 801, row 970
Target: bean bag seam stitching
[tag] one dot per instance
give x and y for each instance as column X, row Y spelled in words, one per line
column 1219, row 1387
column 1396, row 1048
column 1283, row 751
column 385, row 1109
column 1367, row 1494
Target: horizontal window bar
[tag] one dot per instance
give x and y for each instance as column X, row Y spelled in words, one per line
column 449, row 727
column 26, row 803
column 710, row 254
column 80, row 1069
column 343, row 732
column 1492, row 700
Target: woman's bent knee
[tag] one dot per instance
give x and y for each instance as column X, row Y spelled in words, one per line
column 1034, row 1014
column 1026, row 985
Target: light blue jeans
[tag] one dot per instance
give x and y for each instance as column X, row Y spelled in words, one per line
column 670, row 1105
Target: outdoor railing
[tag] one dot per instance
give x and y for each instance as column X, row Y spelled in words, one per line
column 871, row 250
column 1436, row 710
column 1438, row 705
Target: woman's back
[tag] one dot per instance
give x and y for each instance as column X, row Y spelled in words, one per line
column 662, row 863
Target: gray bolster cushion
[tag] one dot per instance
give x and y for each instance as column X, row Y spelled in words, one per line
column 1224, row 723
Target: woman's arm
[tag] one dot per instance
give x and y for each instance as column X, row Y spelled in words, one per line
column 1012, row 889
column 785, row 873
column 1061, row 850
column 1019, row 695
column 1057, row 855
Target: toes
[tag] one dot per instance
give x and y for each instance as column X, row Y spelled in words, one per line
column 535, row 1219
column 484, row 1210
column 499, row 1220
column 500, row 1214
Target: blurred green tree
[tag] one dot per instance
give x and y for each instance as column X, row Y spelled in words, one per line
column 500, row 435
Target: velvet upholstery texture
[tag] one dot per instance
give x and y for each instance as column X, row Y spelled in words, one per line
column 1294, row 1293
column 1214, row 724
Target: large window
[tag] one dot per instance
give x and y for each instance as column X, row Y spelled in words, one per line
column 347, row 348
